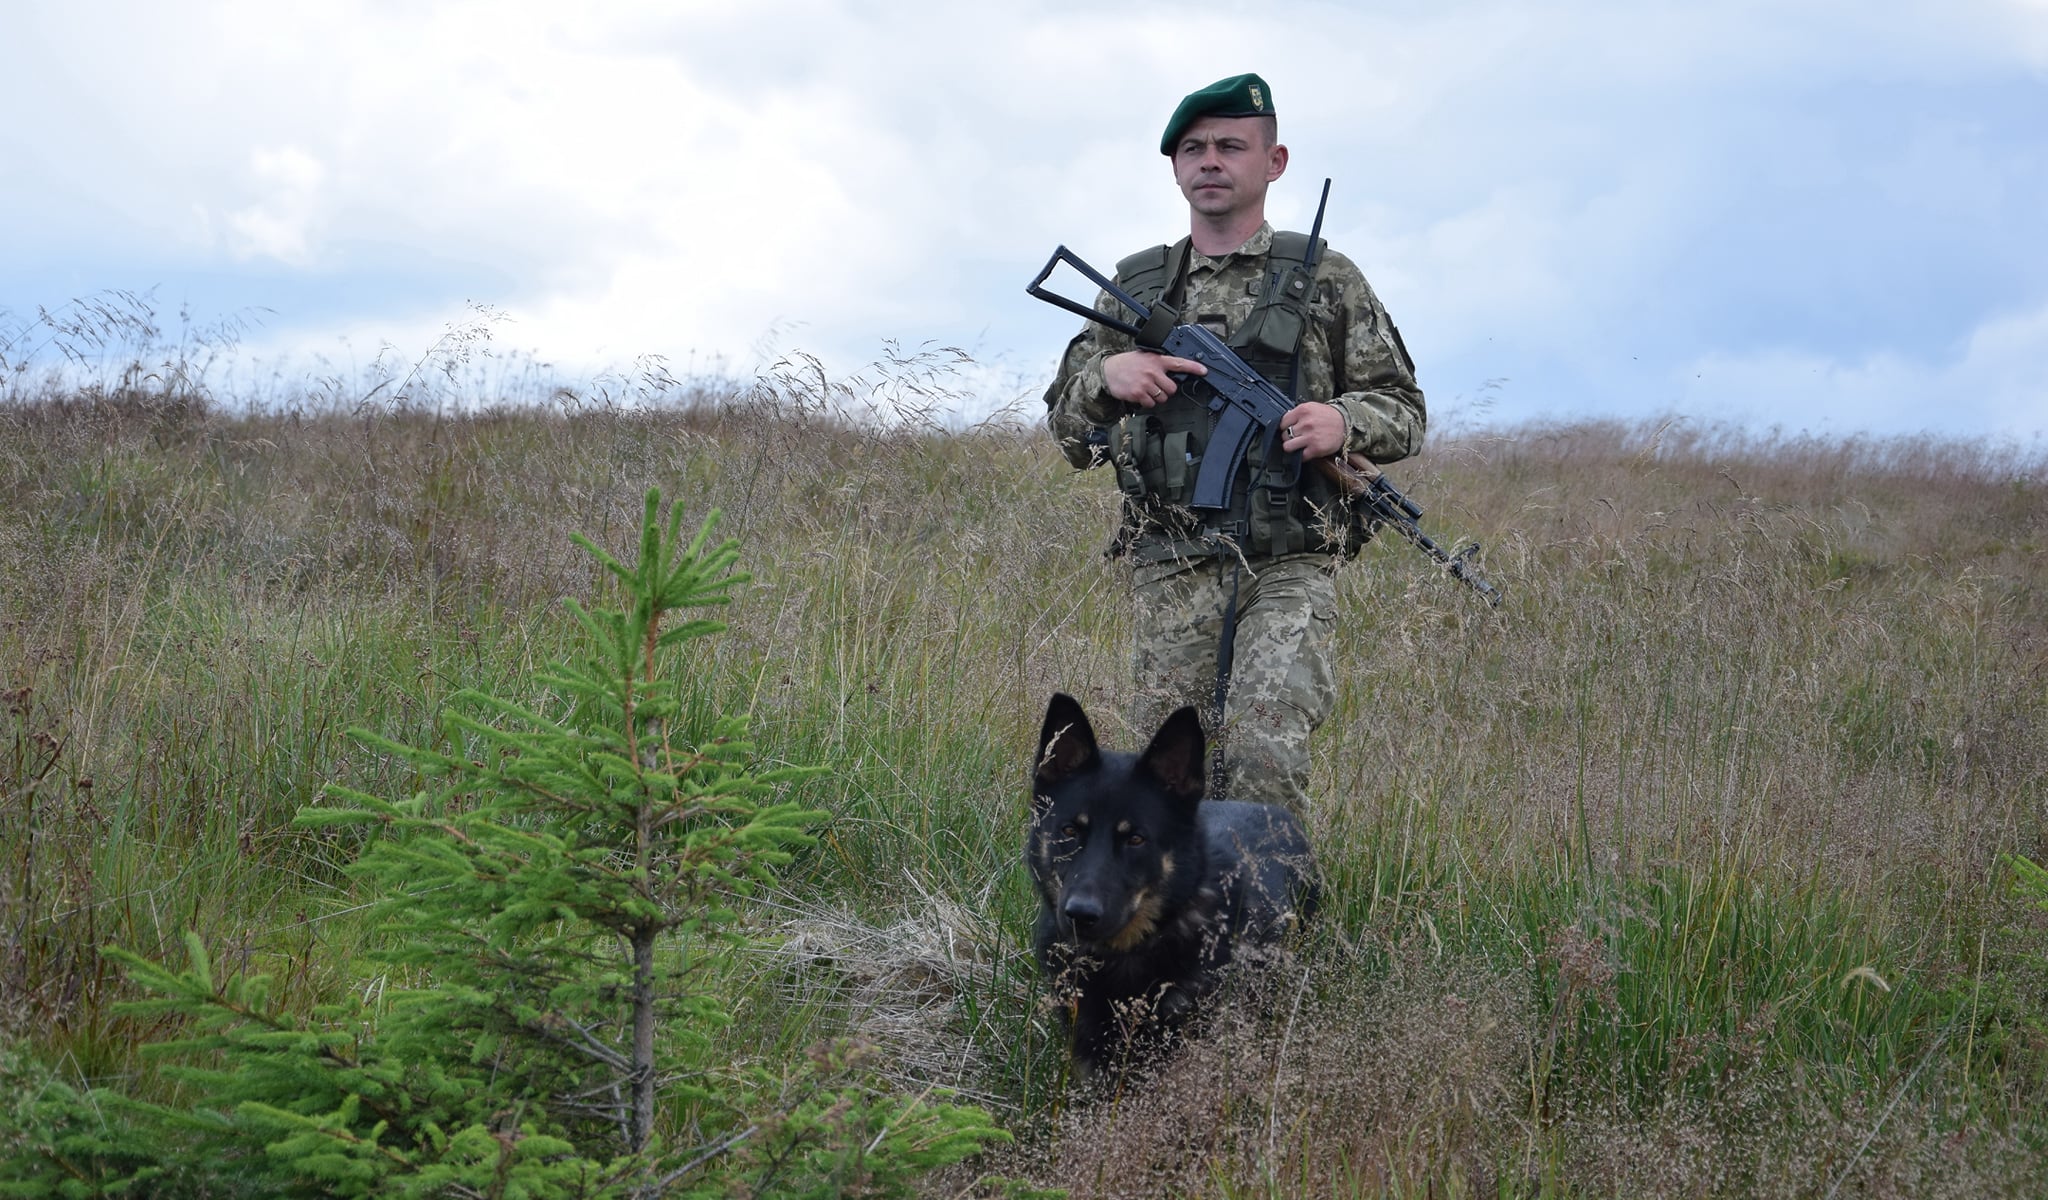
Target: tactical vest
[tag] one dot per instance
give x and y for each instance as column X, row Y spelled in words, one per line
column 1158, row 451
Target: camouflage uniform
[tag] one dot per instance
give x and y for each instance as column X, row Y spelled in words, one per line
column 1282, row 685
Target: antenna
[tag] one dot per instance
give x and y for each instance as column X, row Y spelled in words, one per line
column 1315, row 232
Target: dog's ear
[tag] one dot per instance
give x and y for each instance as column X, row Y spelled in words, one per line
column 1066, row 745
column 1175, row 757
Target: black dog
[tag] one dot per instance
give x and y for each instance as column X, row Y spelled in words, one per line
column 1148, row 892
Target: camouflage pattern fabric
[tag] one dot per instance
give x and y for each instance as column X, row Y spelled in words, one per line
column 1282, row 685
column 1351, row 356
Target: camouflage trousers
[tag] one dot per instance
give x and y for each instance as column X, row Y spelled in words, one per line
column 1282, row 685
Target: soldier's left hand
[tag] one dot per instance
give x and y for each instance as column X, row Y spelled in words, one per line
column 1317, row 430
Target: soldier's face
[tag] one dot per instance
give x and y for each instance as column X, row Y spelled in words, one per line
column 1223, row 164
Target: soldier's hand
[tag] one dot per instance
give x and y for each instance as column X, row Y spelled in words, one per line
column 1317, row 430
column 1145, row 379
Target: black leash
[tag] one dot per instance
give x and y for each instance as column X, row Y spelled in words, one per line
column 1226, row 649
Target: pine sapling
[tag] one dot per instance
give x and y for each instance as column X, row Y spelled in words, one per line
column 557, row 905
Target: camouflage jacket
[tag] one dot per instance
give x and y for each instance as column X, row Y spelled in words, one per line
column 1351, row 356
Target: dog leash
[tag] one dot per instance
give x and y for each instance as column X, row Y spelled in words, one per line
column 1226, row 649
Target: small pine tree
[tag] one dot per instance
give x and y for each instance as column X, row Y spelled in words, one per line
column 556, row 909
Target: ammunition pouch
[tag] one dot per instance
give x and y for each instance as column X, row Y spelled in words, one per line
column 1158, row 451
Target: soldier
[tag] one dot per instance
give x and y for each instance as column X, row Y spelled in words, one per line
column 1249, row 590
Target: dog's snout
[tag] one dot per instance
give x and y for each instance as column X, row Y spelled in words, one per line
column 1083, row 911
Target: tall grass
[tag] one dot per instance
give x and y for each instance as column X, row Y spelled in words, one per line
column 1678, row 875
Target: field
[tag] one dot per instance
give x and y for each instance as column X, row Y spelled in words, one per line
column 1687, row 872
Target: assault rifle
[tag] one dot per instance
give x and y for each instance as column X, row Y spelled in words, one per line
column 1243, row 403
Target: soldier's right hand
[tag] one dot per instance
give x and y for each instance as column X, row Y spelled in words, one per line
column 1145, row 379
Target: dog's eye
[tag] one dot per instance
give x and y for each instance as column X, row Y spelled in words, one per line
column 1135, row 840
column 1069, row 831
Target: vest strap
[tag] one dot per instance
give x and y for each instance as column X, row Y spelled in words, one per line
column 1271, row 510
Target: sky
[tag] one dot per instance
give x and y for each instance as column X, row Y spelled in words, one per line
column 1826, row 216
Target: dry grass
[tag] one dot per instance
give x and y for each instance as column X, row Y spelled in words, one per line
column 1679, row 875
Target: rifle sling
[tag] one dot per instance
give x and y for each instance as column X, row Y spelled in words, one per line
column 1166, row 310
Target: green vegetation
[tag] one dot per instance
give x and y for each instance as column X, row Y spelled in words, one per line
column 1688, row 872
column 539, row 1013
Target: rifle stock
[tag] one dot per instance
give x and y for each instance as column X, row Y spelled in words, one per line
column 1352, row 473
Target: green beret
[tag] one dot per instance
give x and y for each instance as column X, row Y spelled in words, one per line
column 1237, row 96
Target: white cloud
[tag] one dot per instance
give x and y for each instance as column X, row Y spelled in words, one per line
column 1521, row 183
column 281, row 224
column 1992, row 383
column 2026, row 27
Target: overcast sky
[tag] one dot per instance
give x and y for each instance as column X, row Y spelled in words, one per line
column 1819, row 215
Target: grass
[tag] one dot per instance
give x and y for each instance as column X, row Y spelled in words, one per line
column 1679, row 875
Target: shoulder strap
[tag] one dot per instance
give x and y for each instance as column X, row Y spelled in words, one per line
column 1289, row 245
column 1287, row 267
column 1271, row 334
column 1144, row 261
column 1147, row 274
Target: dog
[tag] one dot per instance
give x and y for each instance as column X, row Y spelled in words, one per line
column 1148, row 891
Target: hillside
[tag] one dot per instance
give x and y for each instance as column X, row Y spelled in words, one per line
column 1682, row 873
